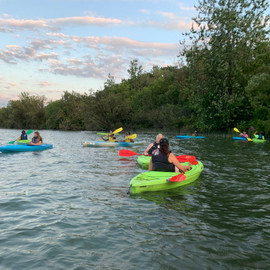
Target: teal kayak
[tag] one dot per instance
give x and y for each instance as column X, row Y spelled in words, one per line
column 110, row 144
column 240, row 139
column 156, row 181
column 24, row 148
column 189, row 137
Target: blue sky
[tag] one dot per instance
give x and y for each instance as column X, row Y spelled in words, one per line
column 51, row 46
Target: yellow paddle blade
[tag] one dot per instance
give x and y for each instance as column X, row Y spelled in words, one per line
column 133, row 136
column 117, row 130
column 250, row 140
column 236, row 130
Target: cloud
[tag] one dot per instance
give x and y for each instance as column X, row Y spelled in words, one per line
column 182, row 7
column 12, row 84
column 10, row 24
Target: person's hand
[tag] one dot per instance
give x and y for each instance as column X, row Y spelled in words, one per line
column 187, row 168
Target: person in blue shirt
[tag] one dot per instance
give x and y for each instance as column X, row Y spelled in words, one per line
column 37, row 139
column 259, row 136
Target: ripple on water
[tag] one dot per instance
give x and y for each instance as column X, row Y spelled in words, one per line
column 68, row 208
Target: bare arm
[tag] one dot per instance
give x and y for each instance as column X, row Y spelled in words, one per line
column 38, row 143
column 150, row 167
column 176, row 163
column 147, row 149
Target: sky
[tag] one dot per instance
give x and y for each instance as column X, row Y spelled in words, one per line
column 51, row 46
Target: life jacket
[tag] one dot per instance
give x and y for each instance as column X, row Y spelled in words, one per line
column 24, row 136
column 260, row 137
column 154, row 147
column 127, row 139
column 111, row 139
column 161, row 162
column 34, row 140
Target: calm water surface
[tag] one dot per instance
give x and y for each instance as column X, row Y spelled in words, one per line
column 68, row 208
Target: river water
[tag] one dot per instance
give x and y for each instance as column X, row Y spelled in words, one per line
column 68, row 207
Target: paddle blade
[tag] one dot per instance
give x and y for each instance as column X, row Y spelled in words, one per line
column 133, row 136
column 250, row 140
column 11, row 142
column 177, row 178
column 236, row 130
column 127, row 153
column 117, row 130
column 29, row 131
column 104, row 134
column 185, row 158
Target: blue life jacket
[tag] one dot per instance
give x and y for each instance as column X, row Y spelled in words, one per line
column 260, row 137
column 34, row 140
column 24, row 136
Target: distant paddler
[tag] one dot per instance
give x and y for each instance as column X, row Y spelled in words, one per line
column 129, row 137
column 111, row 135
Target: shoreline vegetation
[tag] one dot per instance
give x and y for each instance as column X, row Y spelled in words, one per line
column 223, row 83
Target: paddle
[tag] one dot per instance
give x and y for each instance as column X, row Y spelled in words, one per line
column 236, row 130
column 177, row 178
column 27, row 132
column 133, row 136
column 182, row 158
column 116, row 131
column 104, row 134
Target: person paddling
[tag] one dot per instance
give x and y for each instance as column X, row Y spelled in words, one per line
column 244, row 134
column 127, row 137
column 37, row 139
column 259, row 136
column 164, row 160
column 23, row 136
column 152, row 146
column 111, row 138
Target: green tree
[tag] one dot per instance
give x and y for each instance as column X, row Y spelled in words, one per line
column 225, row 39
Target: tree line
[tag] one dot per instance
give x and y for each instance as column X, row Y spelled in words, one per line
column 224, row 82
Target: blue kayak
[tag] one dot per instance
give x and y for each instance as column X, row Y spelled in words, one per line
column 24, row 148
column 110, row 144
column 189, row 137
column 239, row 139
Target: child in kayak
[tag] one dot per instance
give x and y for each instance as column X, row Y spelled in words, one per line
column 164, row 160
column 152, row 146
column 111, row 138
column 37, row 139
column 127, row 138
column 244, row 134
column 259, row 136
column 23, row 136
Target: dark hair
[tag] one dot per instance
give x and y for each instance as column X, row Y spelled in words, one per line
column 164, row 146
column 23, row 132
column 39, row 138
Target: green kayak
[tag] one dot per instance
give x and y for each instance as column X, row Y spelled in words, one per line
column 156, row 181
column 23, row 141
column 143, row 161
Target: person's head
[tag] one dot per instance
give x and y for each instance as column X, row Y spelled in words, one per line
column 36, row 134
column 164, row 146
column 23, row 132
column 244, row 132
column 159, row 136
column 261, row 132
column 127, row 133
